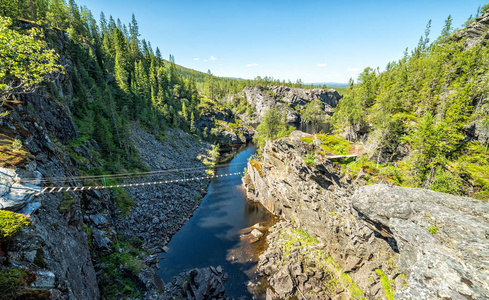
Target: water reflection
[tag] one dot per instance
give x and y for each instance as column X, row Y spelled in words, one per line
column 215, row 228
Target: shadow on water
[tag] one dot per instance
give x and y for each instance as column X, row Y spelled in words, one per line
column 215, row 228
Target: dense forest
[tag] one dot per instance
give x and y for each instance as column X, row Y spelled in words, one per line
column 117, row 77
column 419, row 111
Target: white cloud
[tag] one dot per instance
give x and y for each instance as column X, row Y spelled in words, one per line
column 352, row 70
column 321, row 65
column 196, row 58
column 212, row 58
column 206, row 60
column 252, row 65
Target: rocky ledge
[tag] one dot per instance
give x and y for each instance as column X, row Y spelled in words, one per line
column 382, row 241
column 443, row 240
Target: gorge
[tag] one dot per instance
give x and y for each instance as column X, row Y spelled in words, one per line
column 126, row 176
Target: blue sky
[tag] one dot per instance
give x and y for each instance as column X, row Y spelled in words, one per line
column 316, row 41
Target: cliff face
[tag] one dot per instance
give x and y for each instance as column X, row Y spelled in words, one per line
column 55, row 232
column 290, row 100
column 222, row 125
column 74, row 237
column 376, row 234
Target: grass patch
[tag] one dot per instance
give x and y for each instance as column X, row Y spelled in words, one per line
column 120, row 267
column 10, row 158
column 333, row 145
column 122, row 201
column 307, row 139
column 67, row 202
column 10, row 224
column 12, row 281
column 386, row 284
column 309, row 159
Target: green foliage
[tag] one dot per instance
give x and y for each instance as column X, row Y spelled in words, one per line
column 39, row 258
column 309, row 159
column 307, row 139
column 10, row 224
column 25, row 61
column 12, row 281
column 67, row 202
column 274, row 126
column 123, row 202
column 10, row 157
column 434, row 228
column 334, row 145
column 308, row 239
column 313, row 112
column 114, row 281
column 386, row 284
column 422, row 103
column 17, row 145
column 447, row 182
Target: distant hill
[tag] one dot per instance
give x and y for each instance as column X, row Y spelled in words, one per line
column 331, row 84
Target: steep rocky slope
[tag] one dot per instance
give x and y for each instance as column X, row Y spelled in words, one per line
column 55, row 231
column 291, row 100
column 377, row 239
column 221, row 125
column 55, row 247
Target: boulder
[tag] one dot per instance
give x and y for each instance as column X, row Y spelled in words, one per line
column 438, row 236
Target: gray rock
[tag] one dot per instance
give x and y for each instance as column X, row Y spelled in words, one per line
column 372, row 227
column 17, row 195
column 44, row 280
column 256, row 233
column 100, row 241
column 98, row 220
column 287, row 99
column 197, row 284
column 476, row 32
column 282, row 283
column 453, row 253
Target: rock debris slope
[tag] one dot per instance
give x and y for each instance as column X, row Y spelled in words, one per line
column 161, row 210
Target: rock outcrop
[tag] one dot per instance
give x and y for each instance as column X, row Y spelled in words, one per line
column 443, row 240
column 476, row 32
column 289, row 100
column 221, row 125
column 198, row 284
column 408, row 238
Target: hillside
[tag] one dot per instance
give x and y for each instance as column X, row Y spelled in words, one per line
column 427, row 114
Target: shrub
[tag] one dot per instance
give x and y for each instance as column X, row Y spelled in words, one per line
column 12, row 281
column 309, row 159
column 446, row 182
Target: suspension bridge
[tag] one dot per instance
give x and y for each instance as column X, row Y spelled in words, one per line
column 56, row 184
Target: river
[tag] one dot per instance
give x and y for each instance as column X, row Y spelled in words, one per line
column 212, row 235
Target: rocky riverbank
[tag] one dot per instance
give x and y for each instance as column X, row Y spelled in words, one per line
column 160, row 210
column 371, row 241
